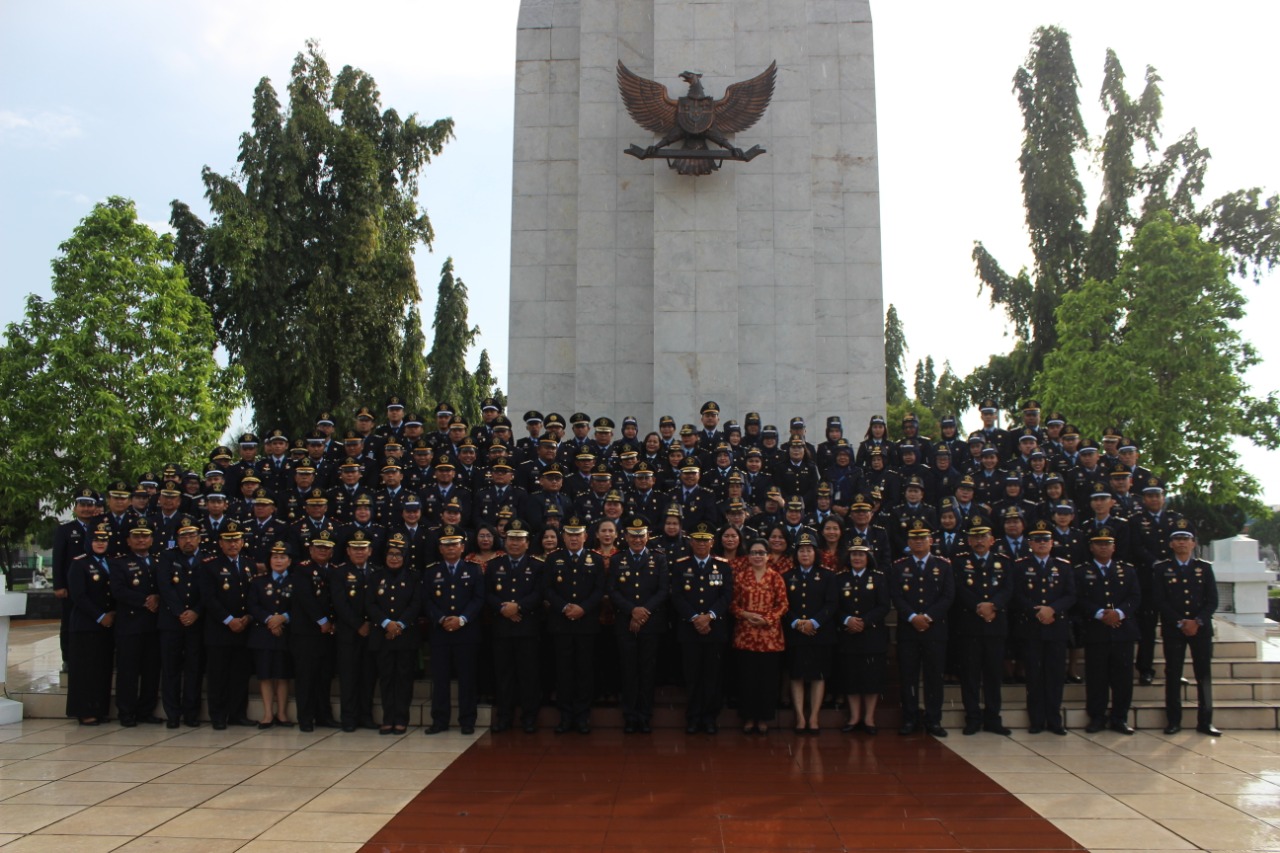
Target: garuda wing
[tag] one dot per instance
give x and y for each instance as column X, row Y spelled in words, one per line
column 744, row 103
column 647, row 101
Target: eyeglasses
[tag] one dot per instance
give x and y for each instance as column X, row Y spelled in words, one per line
column 754, row 553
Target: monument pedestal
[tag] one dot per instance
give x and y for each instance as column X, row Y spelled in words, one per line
column 11, row 604
column 1243, row 581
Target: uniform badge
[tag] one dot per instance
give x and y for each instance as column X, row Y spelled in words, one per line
column 969, row 581
column 906, row 587
column 688, row 588
column 351, row 593
column 847, row 592
column 175, row 580
column 871, row 584
column 226, row 587
column 95, row 576
column 498, row 587
column 137, row 581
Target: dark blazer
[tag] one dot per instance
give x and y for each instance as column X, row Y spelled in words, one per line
column 311, row 606
column 224, row 589
column 1117, row 589
column 394, row 594
column 457, row 594
column 89, row 588
column 178, row 581
column 266, row 599
column 1184, row 592
column 1034, row 587
column 930, row 593
column 990, row 579
column 638, row 581
column 506, row 580
column 695, row 590
column 866, row 597
column 69, row 541
column 577, row 581
column 347, row 588
column 132, row 581
column 810, row 596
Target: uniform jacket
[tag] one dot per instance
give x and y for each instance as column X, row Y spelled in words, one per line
column 1116, row 589
column 1184, row 592
column 267, row 597
column 177, row 578
column 520, row 581
column 89, row 587
column 866, row 597
column 810, row 595
column 348, row 584
column 458, row 594
column 311, row 606
column 395, row 595
column 930, row 591
column 1054, row 586
column 224, row 590
column 132, row 581
column 638, row 580
column 983, row 579
column 574, row 580
column 701, row 589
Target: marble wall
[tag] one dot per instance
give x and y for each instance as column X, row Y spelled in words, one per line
column 637, row 291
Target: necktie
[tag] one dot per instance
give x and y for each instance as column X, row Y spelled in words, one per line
column 1043, row 565
column 920, row 566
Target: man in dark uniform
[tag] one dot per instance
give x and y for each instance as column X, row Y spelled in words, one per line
column 224, row 591
column 274, row 469
column 513, row 590
column 923, row 590
column 638, row 588
column 1150, row 529
column 1044, row 592
column 69, row 541
column 1186, row 595
column 453, row 594
column 697, row 504
column 357, row 666
column 575, row 587
column 393, row 601
column 311, row 633
column 984, row 591
column 701, row 595
column 873, row 535
column 527, row 447
column 1108, row 597
column 133, row 587
column 120, row 517
column 260, row 531
column 177, row 578
column 796, row 474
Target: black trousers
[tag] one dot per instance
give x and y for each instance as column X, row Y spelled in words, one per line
column 181, row 659
column 137, row 674
column 575, row 671
column 1148, row 621
column 312, row 668
column 703, row 675
column 638, row 671
column 1175, row 654
column 395, row 674
column 758, row 677
column 981, row 676
column 227, row 673
column 516, row 668
column 357, row 675
column 450, row 660
column 89, row 668
column 64, row 632
column 922, row 654
column 1108, row 673
column 1046, row 662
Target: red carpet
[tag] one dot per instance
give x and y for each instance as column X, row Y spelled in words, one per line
column 673, row 792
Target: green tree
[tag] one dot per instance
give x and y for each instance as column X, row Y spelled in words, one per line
column 895, row 357
column 926, row 382
column 448, row 379
column 486, row 384
column 113, row 375
column 1243, row 225
column 1154, row 352
column 308, row 264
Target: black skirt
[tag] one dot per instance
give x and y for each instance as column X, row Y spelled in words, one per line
column 862, row 674
column 810, row 661
column 272, row 663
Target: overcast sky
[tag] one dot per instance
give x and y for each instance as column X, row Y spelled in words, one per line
column 133, row 98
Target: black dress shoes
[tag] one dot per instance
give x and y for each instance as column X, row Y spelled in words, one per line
column 1209, row 730
column 349, row 729
column 1095, row 726
column 243, row 721
column 499, row 727
column 1034, row 730
column 467, row 730
column 1147, row 678
column 1122, row 727
column 128, row 722
column 871, row 730
column 710, row 727
column 972, row 728
column 645, row 728
column 306, row 727
column 936, row 730
column 692, row 729
column 1172, row 729
column 584, row 728
column 530, row 727
column 435, row 729
column 998, row 729
column 629, row 728
column 172, row 724
column 219, row 725
column 151, row 720
column 907, row 729
column 1061, row 731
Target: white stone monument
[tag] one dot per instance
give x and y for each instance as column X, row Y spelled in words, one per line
column 11, row 604
column 637, row 291
column 1242, row 579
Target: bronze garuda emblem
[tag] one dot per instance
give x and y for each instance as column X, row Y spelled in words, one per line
column 695, row 118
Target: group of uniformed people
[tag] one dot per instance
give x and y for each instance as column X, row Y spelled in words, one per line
column 343, row 554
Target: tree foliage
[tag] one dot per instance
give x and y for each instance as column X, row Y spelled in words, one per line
column 1243, row 225
column 308, row 264
column 113, row 375
column 895, row 357
column 449, row 380
column 1153, row 352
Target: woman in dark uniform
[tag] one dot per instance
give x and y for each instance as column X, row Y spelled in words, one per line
column 269, row 596
column 862, row 604
column 810, row 605
column 92, row 641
